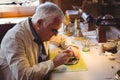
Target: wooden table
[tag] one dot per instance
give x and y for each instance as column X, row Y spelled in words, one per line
column 99, row 66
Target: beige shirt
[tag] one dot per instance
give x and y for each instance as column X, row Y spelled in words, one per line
column 19, row 54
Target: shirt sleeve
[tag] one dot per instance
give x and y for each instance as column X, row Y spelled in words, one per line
column 62, row 41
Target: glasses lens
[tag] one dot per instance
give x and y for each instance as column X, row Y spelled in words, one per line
column 55, row 31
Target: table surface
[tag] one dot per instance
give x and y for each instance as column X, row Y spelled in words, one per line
column 100, row 67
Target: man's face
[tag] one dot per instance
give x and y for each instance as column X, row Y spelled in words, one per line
column 46, row 32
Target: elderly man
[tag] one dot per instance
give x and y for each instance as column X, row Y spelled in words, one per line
column 24, row 49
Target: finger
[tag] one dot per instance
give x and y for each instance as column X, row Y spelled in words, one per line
column 76, row 52
column 67, row 51
column 70, row 54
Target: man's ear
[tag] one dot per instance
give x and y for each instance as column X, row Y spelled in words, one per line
column 40, row 23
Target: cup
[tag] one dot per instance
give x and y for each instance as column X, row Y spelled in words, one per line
column 86, row 47
column 100, row 49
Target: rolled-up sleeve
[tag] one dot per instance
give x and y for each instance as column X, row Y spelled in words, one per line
column 62, row 41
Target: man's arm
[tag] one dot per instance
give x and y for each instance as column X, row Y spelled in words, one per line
column 64, row 42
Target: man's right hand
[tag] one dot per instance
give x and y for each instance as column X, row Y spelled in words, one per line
column 63, row 57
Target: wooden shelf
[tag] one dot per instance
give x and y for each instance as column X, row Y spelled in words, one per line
column 16, row 11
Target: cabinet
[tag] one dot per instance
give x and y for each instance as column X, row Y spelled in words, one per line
column 65, row 4
column 16, row 11
column 91, row 8
column 111, row 7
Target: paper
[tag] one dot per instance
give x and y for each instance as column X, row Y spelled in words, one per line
column 80, row 66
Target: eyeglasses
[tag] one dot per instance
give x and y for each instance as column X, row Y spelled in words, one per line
column 55, row 31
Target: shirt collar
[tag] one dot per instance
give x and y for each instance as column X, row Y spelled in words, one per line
column 36, row 38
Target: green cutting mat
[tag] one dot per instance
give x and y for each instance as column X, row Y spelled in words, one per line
column 80, row 66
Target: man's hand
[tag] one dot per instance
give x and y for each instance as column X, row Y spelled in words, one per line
column 63, row 57
column 76, row 52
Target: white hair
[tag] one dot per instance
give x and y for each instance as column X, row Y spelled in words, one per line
column 48, row 12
